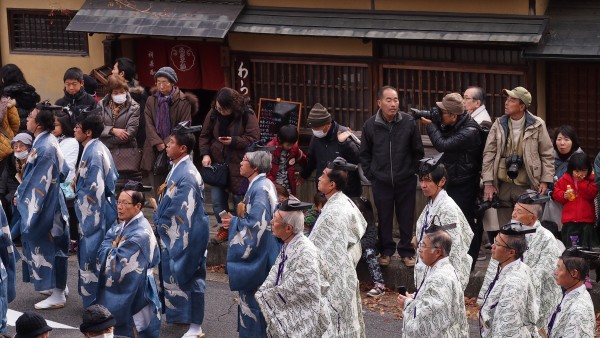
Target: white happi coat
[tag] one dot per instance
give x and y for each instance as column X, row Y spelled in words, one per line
column 445, row 211
column 541, row 256
column 292, row 298
column 576, row 316
column 337, row 235
column 511, row 307
column 438, row 309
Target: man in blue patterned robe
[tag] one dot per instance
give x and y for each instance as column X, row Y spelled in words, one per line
column 96, row 207
column 8, row 289
column 252, row 247
column 126, row 261
column 180, row 221
column 43, row 224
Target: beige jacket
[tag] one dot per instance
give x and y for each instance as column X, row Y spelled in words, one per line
column 538, row 156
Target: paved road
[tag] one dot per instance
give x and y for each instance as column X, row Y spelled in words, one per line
column 220, row 313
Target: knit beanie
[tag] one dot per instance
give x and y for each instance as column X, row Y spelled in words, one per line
column 318, row 116
column 453, row 103
column 167, row 72
column 31, row 325
column 96, row 318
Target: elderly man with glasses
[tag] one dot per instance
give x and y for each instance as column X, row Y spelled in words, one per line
column 510, row 306
column 541, row 256
column 292, row 298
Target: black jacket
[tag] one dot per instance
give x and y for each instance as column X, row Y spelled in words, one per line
column 26, row 98
column 461, row 145
column 78, row 102
column 323, row 150
column 390, row 152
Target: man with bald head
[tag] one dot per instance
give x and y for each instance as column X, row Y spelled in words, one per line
column 292, row 298
column 541, row 256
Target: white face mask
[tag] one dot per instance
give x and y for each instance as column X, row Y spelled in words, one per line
column 118, row 99
column 21, row 154
column 319, row 133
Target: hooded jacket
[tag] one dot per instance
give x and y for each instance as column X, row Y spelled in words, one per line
column 78, row 102
column 538, row 156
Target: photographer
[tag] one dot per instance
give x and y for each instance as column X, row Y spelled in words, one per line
column 456, row 134
column 522, row 138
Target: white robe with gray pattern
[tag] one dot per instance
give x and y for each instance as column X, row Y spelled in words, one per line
column 541, row 256
column 576, row 316
column 443, row 211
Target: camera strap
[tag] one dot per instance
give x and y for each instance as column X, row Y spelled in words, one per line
column 511, row 148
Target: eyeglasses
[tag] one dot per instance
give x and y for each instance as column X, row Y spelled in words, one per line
column 428, row 247
column 124, row 203
column 162, row 83
column 496, row 243
column 468, row 98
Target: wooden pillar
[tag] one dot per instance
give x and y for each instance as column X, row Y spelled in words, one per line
column 112, row 47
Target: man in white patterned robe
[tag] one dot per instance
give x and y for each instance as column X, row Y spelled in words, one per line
column 574, row 316
column 442, row 210
column 437, row 309
column 541, row 256
column 337, row 235
column 292, row 298
column 510, row 305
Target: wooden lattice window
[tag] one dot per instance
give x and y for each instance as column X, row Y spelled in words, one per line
column 421, row 86
column 343, row 88
column 43, row 32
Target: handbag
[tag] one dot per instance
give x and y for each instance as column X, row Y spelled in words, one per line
column 161, row 164
column 553, row 214
column 216, row 175
column 127, row 159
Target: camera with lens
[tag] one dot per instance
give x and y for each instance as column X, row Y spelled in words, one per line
column 435, row 114
column 513, row 164
column 484, row 205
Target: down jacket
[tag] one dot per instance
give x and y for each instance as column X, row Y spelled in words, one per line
column 461, row 145
column 538, row 156
column 581, row 209
column 26, row 98
column 128, row 119
column 10, row 123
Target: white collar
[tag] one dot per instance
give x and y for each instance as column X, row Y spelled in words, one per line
column 254, row 180
column 38, row 137
column 139, row 215
column 186, row 157
column 87, row 145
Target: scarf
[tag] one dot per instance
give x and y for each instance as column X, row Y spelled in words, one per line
column 163, row 120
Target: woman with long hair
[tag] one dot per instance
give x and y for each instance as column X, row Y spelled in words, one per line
column 14, row 85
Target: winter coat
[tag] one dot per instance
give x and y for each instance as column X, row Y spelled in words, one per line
column 560, row 166
column 128, row 119
column 538, row 157
column 78, row 102
column 10, row 125
column 182, row 107
column 323, row 150
column 294, row 156
column 390, row 152
column 461, row 145
column 26, row 98
column 245, row 135
column 581, row 209
column 139, row 95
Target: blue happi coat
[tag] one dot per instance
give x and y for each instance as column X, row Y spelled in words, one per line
column 43, row 222
column 126, row 260
column 96, row 210
column 8, row 289
column 181, row 220
column 252, row 251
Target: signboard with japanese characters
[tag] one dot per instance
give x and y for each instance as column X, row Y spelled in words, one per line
column 274, row 114
column 242, row 76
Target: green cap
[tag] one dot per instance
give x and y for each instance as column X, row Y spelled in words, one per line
column 521, row 94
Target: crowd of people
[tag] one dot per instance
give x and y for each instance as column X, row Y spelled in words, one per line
column 72, row 176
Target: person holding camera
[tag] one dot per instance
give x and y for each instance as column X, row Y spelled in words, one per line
column 518, row 154
column 456, row 134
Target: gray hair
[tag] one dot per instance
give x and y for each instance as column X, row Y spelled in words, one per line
column 537, row 210
column 478, row 94
column 261, row 160
column 517, row 243
column 295, row 219
column 441, row 239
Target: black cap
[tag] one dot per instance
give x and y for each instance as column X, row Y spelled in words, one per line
column 136, row 186
column 186, row 127
column 436, row 228
column 533, row 197
column 516, row 229
column 257, row 146
column 31, row 325
column 46, row 105
column 96, row 318
column 340, row 163
column 292, row 204
column 428, row 164
column 576, row 251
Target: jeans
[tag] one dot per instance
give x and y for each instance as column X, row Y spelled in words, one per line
column 220, row 201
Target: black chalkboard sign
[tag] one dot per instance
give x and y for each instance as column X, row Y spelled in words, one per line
column 274, row 114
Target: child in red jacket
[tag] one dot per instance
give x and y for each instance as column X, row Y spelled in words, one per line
column 578, row 216
column 285, row 158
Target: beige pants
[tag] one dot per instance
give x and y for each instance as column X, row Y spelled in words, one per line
column 508, row 194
